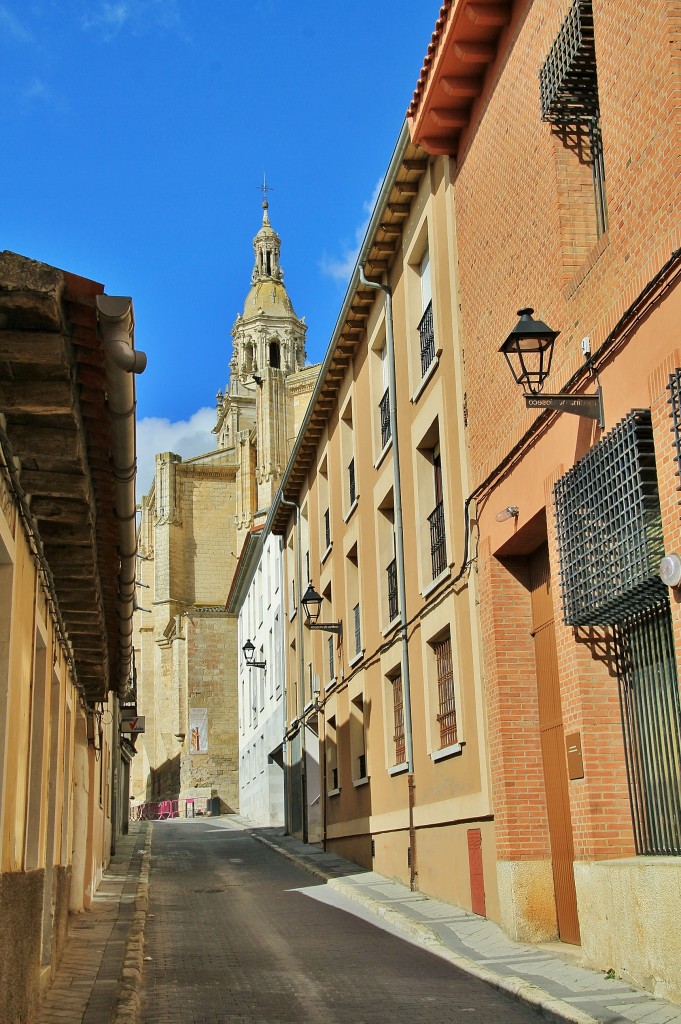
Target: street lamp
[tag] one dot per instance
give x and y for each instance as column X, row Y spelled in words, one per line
column 312, row 603
column 249, row 652
column 528, row 350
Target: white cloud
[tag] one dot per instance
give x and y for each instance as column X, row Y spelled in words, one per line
column 340, row 267
column 183, row 437
column 109, row 17
column 11, row 26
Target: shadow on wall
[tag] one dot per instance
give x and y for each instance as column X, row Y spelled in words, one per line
column 163, row 783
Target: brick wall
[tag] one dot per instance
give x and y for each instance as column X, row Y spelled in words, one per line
column 519, row 242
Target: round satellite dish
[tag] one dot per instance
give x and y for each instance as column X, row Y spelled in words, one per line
column 670, row 570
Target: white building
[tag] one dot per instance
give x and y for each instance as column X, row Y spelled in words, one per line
column 257, row 597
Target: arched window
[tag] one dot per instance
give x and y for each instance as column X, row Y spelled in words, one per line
column 275, row 357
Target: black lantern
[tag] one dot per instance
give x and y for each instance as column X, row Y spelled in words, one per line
column 249, row 653
column 528, row 350
column 312, row 604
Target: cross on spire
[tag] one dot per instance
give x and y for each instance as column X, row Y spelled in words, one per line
column 265, row 188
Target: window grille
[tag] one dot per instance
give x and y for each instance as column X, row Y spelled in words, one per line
column 674, row 388
column 384, row 409
column 651, row 721
column 445, row 686
column 398, row 717
column 610, row 528
column 393, row 604
column 351, row 481
column 358, row 630
column 438, row 541
column 332, row 669
column 568, row 86
column 327, row 528
column 427, row 336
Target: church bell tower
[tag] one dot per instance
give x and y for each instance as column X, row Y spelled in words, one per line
column 268, row 351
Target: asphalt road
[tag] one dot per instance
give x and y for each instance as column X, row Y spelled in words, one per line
column 237, row 933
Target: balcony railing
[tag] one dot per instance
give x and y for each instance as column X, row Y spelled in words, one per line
column 393, row 605
column 352, row 490
column 445, row 685
column 327, row 528
column 398, row 708
column 384, row 407
column 427, row 336
column 438, row 542
column 358, row 630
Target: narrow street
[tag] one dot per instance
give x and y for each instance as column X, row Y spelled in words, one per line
column 238, row 933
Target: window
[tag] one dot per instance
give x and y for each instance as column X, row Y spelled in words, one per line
column 384, row 404
column 436, row 519
column 352, row 598
column 569, row 101
column 393, row 603
column 446, row 716
column 357, row 739
column 425, row 328
column 331, row 748
column 275, row 357
column 327, row 529
column 332, row 668
column 400, row 754
column 348, row 459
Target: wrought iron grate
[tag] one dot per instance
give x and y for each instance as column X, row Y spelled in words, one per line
column 674, row 388
column 384, row 410
column 568, row 84
column 427, row 339
column 651, row 721
column 610, row 528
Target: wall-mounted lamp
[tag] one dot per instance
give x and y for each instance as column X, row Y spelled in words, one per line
column 670, row 570
column 510, row 512
column 249, row 653
column 312, row 603
column 528, row 350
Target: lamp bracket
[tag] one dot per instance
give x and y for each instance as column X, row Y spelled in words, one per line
column 590, row 406
column 328, row 627
column 256, row 664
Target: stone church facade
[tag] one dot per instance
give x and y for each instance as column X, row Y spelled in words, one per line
column 193, row 523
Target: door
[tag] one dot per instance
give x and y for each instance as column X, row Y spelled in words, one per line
column 553, row 746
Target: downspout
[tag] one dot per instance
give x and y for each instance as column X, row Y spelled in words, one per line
column 116, row 328
column 399, row 556
column 301, row 664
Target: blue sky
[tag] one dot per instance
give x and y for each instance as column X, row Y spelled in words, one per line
column 136, row 132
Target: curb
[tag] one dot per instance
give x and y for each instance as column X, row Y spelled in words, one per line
column 129, row 995
column 550, row 1007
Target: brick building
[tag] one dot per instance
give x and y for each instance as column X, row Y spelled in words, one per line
column 193, row 524
column 563, row 123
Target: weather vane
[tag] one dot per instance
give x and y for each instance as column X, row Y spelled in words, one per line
column 265, row 188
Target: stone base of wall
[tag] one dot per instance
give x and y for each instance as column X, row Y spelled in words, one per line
column 629, row 913
column 21, row 906
column 527, row 905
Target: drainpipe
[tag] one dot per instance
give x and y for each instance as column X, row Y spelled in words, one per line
column 116, row 328
column 399, row 555
column 301, row 665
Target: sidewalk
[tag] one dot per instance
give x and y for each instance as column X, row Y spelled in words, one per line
column 547, row 976
column 98, row 978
